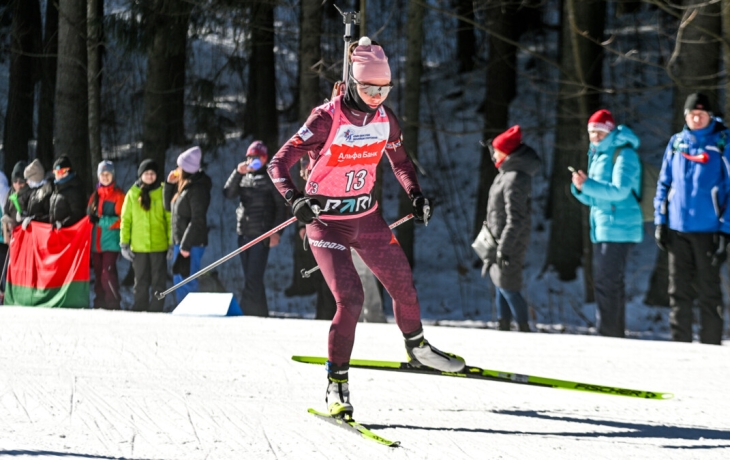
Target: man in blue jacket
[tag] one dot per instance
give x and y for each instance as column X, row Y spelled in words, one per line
column 611, row 190
column 692, row 219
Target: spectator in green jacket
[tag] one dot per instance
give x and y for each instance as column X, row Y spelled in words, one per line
column 146, row 236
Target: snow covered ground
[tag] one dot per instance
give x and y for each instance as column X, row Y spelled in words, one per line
column 117, row 385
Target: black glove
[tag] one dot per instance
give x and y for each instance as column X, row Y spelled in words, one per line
column 422, row 209
column 502, row 260
column 720, row 254
column 661, row 235
column 94, row 219
column 303, row 209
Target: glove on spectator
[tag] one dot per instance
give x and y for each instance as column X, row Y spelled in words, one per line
column 661, row 235
column 127, row 252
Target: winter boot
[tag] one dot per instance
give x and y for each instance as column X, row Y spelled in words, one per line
column 338, row 391
column 421, row 353
column 504, row 324
column 524, row 327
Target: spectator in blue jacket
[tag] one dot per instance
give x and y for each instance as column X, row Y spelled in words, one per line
column 692, row 219
column 611, row 190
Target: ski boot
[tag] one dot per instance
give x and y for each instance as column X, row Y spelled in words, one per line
column 422, row 353
column 338, row 391
column 524, row 327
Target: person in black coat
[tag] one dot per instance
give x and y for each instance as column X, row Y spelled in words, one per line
column 17, row 201
column 261, row 208
column 68, row 201
column 509, row 223
column 187, row 197
column 39, row 198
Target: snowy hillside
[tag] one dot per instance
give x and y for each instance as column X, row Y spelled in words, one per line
column 114, row 385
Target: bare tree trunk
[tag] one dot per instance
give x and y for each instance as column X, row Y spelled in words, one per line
column 93, row 25
column 25, row 42
column 177, row 67
column 695, row 63
column 72, row 128
column 163, row 122
column 261, row 113
column 414, row 69
column 581, row 61
column 47, row 99
column 310, row 55
column 466, row 49
column 501, row 89
column 725, row 18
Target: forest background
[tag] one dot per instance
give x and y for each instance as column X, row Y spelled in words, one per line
column 133, row 79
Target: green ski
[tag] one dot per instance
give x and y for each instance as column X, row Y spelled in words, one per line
column 354, row 427
column 497, row 376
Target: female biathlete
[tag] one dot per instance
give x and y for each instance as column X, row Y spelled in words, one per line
column 345, row 139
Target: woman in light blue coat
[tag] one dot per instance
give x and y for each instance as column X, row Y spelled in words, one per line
column 611, row 189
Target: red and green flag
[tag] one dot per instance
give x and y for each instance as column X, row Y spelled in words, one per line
column 49, row 267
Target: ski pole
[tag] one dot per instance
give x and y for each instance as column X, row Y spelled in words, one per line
column 308, row 273
column 161, row 295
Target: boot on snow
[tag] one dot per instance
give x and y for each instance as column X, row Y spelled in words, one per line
column 422, row 353
column 338, row 391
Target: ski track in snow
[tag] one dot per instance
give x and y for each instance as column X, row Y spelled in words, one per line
column 118, row 385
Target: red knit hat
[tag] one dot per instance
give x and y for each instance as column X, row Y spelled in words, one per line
column 509, row 140
column 601, row 121
column 257, row 149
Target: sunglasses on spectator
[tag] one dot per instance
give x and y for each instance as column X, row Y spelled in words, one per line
column 61, row 170
column 374, row 90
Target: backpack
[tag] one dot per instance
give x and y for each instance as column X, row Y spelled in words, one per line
column 648, row 181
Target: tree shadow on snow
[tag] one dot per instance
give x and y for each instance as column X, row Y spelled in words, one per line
column 633, row 430
column 54, row 454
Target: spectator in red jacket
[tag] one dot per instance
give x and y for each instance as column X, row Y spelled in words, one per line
column 104, row 209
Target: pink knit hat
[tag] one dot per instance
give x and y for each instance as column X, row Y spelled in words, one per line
column 369, row 62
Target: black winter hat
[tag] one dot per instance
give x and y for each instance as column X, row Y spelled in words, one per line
column 697, row 101
column 147, row 165
column 62, row 162
column 18, row 171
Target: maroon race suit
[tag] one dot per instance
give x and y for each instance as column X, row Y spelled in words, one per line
column 344, row 147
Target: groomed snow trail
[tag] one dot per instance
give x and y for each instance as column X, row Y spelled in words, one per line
column 108, row 385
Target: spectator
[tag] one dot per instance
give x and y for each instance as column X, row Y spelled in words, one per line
column 611, row 189
column 693, row 219
column 17, row 201
column 104, row 209
column 145, row 236
column 39, row 200
column 187, row 196
column 4, row 190
column 260, row 209
column 68, row 198
column 509, row 222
